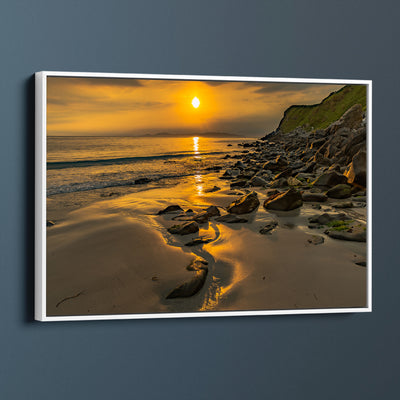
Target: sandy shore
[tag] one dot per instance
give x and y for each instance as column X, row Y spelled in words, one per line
column 113, row 254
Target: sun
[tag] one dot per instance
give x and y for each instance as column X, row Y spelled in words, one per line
column 195, row 102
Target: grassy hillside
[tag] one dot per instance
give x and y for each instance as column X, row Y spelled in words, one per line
column 319, row 116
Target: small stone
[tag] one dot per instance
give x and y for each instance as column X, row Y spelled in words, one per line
column 185, row 229
column 316, row 239
column 169, row 209
column 269, row 227
column 231, row 219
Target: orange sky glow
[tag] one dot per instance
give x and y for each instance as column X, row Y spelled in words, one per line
column 112, row 106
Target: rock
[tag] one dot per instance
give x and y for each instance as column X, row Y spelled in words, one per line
column 359, row 260
column 244, row 204
column 50, row 223
column 271, row 192
column 286, row 201
column 340, row 191
column 360, row 236
column 330, row 178
column 230, row 173
column 316, row 239
column 314, row 197
column 357, row 172
column 346, row 204
column 239, row 183
column 191, row 287
column 351, row 119
column 284, row 174
column 231, row 219
column 293, row 181
column 185, row 229
column 197, row 241
column 213, row 211
column 257, row 181
column 201, row 218
column 324, row 218
column 142, row 181
column 279, row 164
column 270, row 225
column 170, row 209
column 110, row 194
column 279, row 183
column 189, row 211
column 213, row 189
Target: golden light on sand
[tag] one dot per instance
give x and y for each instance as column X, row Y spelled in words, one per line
column 195, row 102
column 198, row 182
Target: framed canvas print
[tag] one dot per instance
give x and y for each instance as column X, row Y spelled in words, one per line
column 188, row 196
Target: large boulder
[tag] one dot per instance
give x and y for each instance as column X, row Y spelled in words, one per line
column 286, row 201
column 330, row 179
column 357, row 171
column 341, row 191
column 244, row 204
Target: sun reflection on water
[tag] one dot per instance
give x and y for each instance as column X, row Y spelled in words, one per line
column 198, row 178
column 198, row 182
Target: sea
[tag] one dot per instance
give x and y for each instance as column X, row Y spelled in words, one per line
column 84, row 163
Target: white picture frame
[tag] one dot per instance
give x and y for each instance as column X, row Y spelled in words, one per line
column 40, row 196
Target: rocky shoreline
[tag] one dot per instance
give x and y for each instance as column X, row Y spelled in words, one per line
column 294, row 170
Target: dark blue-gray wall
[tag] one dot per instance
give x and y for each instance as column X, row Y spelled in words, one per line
column 352, row 356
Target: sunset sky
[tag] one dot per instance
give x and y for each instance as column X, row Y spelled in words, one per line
column 106, row 107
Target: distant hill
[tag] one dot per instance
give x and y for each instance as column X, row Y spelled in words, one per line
column 320, row 116
column 202, row 134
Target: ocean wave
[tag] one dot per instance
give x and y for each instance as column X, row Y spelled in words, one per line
column 123, row 160
column 85, row 186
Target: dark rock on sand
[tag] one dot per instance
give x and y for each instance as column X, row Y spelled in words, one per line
column 50, row 223
column 324, row 218
column 197, row 241
column 213, row 211
column 185, row 229
column 142, row 181
column 279, row 164
column 245, row 204
column 169, row 209
column 330, row 178
column 360, row 260
column 191, row 287
column 201, row 218
column 341, row 191
column 314, row 197
column 316, row 239
column 269, row 227
column 231, row 219
column 360, row 236
column 286, row 201
column 345, row 204
column 239, row 183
